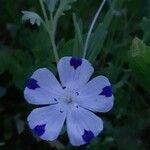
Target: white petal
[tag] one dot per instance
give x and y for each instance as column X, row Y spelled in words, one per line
column 82, row 126
column 96, row 95
column 42, row 87
column 46, row 122
column 33, row 17
column 74, row 72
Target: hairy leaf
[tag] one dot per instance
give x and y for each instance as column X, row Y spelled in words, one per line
column 51, row 4
column 140, row 62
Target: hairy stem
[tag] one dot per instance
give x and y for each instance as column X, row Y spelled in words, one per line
column 44, row 12
column 50, row 30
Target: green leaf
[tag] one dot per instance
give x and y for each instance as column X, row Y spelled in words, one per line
column 99, row 36
column 140, row 62
column 66, row 48
column 33, row 41
column 66, row 4
column 78, row 45
column 145, row 25
column 20, row 124
column 51, row 4
column 5, row 58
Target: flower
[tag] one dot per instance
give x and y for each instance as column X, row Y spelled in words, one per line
column 33, row 17
column 74, row 100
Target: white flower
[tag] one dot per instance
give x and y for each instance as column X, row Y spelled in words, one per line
column 33, row 17
column 72, row 100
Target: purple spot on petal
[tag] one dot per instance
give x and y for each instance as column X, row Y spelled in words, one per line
column 87, row 136
column 32, row 84
column 106, row 91
column 39, row 129
column 75, row 62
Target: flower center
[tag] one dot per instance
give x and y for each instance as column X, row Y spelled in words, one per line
column 69, row 95
column 69, row 99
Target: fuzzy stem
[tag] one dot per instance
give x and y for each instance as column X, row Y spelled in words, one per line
column 51, row 34
column 44, row 11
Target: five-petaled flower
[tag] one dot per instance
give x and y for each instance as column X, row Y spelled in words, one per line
column 73, row 100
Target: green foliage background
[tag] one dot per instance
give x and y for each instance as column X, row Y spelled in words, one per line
column 119, row 48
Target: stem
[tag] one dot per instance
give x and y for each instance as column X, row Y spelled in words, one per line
column 51, row 31
column 56, row 17
column 44, row 12
column 54, row 21
column 91, row 27
column 54, row 47
column 52, row 36
column 51, row 17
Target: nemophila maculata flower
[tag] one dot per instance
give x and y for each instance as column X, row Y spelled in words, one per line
column 73, row 100
column 33, row 17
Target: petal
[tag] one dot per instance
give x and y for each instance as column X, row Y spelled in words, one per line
column 82, row 126
column 33, row 17
column 46, row 122
column 42, row 87
column 74, row 72
column 96, row 95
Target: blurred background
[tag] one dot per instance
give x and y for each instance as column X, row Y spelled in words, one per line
column 122, row 53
